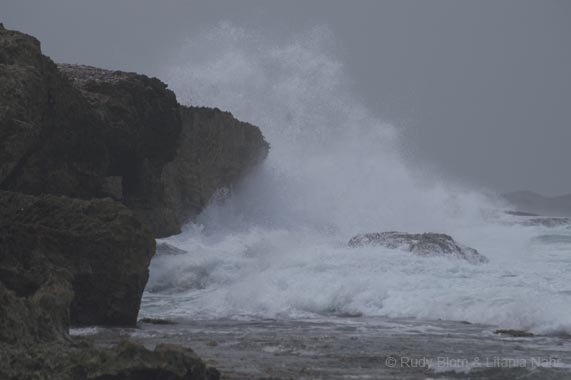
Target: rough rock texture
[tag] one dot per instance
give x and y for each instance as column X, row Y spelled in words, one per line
column 96, row 248
column 86, row 132
column 427, row 244
column 166, row 160
column 65, row 260
column 49, row 135
column 214, row 152
column 81, row 361
column 141, row 130
column 70, row 255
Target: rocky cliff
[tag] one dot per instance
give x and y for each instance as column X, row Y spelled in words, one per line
column 88, row 133
column 215, row 150
column 50, row 138
column 93, row 165
column 166, row 160
column 68, row 261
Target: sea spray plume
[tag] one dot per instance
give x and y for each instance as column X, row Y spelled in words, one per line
column 277, row 246
column 333, row 163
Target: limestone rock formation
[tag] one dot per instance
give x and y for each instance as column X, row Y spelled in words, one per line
column 166, row 160
column 49, row 136
column 141, row 129
column 427, row 244
column 97, row 249
column 215, row 150
column 93, row 165
column 88, row 133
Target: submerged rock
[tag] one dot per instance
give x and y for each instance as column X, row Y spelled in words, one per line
column 559, row 206
column 157, row 321
column 427, row 244
column 545, row 222
column 515, row 333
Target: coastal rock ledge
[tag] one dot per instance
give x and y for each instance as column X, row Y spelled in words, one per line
column 427, row 244
column 94, row 164
column 86, row 132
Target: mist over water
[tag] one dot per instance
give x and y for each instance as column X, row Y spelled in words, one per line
column 333, row 163
column 275, row 246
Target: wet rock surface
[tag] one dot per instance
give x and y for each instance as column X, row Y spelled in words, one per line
column 80, row 360
column 427, row 244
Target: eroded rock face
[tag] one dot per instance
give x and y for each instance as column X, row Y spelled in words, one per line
column 96, row 249
column 215, row 150
column 88, row 133
column 170, row 159
column 427, row 244
column 49, row 136
column 141, row 129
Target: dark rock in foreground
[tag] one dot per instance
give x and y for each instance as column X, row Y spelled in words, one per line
column 75, row 149
column 97, row 249
column 82, row 361
column 427, row 244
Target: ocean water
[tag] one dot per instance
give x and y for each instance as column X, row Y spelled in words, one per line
column 275, row 245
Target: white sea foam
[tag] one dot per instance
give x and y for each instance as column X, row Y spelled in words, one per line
column 277, row 246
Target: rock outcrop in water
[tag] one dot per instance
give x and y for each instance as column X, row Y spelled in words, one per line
column 539, row 204
column 427, row 244
column 93, row 165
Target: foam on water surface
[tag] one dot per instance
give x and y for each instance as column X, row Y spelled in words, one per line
column 275, row 246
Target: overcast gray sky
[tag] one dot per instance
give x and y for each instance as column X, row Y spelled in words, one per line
column 483, row 88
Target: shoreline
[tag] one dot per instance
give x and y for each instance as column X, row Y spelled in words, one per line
column 341, row 348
